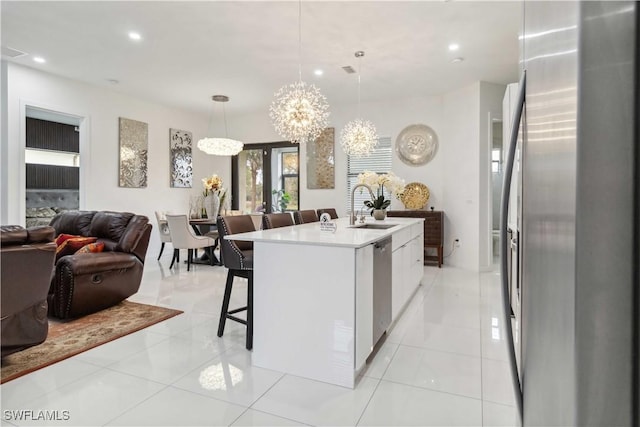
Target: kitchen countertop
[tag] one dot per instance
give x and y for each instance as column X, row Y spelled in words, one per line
column 346, row 235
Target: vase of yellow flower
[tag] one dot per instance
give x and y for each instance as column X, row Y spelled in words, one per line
column 212, row 188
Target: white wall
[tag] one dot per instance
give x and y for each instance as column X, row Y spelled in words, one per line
column 467, row 176
column 461, row 152
column 101, row 109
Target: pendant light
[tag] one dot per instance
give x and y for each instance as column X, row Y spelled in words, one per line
column 359, row 137
column 220, row 146
column 299, row 111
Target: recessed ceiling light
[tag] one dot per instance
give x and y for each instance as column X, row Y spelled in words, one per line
column 318, row 72
column 135, row 36
column 458, row 59
column 454, row 47
column 39, row 59
column 113, row 81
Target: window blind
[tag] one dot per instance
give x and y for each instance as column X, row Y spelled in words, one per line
column 378, row 161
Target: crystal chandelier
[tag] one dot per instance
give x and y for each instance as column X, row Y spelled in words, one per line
column 359, row 137
column 299, row 111
column 220, row 146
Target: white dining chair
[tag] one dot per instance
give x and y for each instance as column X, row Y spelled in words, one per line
column 183, row 237
column 163, row 230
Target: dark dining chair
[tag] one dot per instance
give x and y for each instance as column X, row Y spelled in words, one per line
column 237, row 256
column 276, row 220
column 330, row 211
column 305, row 217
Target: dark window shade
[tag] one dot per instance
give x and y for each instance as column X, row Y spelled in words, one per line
column 50, row 176
column 47, row 135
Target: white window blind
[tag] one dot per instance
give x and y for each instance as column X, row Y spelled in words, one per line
column 378, row 161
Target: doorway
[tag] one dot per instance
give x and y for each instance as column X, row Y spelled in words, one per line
column 52, row 164
column 496, row 186
column 265, row 178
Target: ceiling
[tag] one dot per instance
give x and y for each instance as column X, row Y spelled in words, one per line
column 247, row 50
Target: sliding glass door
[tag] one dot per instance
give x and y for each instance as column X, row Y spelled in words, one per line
column 265, row 178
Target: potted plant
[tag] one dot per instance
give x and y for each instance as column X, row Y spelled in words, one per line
column 378, row 205
column 281, row 199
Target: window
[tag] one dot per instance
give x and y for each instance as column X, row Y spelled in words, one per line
column 496, row 160
column 289, row 177
column 378, row 161
column 52, row 155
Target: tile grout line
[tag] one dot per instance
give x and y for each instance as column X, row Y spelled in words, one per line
column 434, row 390
column 263, row 411
column 368, row 402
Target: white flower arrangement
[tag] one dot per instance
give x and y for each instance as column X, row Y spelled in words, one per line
column 377, row 183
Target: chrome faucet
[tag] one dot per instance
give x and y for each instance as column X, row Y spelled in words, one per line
column 352, row 214
column 360, row 216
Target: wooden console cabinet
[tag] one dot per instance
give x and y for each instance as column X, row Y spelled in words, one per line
column 433, row 232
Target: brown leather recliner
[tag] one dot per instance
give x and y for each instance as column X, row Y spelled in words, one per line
column 26, row 259
column 86, row 283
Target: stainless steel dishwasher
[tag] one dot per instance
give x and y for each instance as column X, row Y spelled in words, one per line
column 381, row 287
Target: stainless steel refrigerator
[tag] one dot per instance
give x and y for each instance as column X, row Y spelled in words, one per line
column 579, row 239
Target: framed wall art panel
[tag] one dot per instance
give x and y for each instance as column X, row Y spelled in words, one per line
column 321, row 161
column 134, row 145
column 180, row 157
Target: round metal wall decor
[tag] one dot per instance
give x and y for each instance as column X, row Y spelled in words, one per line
column 415, row 195
column 416, row 145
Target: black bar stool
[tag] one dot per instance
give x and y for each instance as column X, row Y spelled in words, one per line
column 237, row 256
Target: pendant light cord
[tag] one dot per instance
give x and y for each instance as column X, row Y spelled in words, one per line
column 211, row 113
column 224, row 114
column 359, row 73
column 300, row 40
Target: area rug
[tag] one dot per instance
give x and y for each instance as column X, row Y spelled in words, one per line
column 68, row 338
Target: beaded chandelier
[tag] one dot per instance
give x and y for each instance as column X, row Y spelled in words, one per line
column 359, row 137
column 299, row 111
column 220, row 146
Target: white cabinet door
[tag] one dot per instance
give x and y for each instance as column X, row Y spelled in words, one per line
column 417, row 257
column 407, row 268
column 364, row 304
column 396, row 283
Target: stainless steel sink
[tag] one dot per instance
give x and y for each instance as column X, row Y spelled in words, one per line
column 374, row 226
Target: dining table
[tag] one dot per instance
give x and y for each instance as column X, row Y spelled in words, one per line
column 202, row 226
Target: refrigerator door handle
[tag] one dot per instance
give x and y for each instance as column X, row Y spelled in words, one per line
column 504, row 242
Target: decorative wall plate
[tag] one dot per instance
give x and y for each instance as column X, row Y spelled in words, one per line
column 416, row 145
column 415, row 195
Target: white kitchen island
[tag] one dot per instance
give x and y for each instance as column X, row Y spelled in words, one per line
column 313, row 294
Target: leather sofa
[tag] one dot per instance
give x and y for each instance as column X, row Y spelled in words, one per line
column 26, row 261
column 87, row 283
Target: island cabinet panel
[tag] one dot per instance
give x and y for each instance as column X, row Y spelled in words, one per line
column 407, row 268
column 433, row 233
column 364, row 305
column 304, row 311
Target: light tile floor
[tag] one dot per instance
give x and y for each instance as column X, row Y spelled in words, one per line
column 443, row 363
